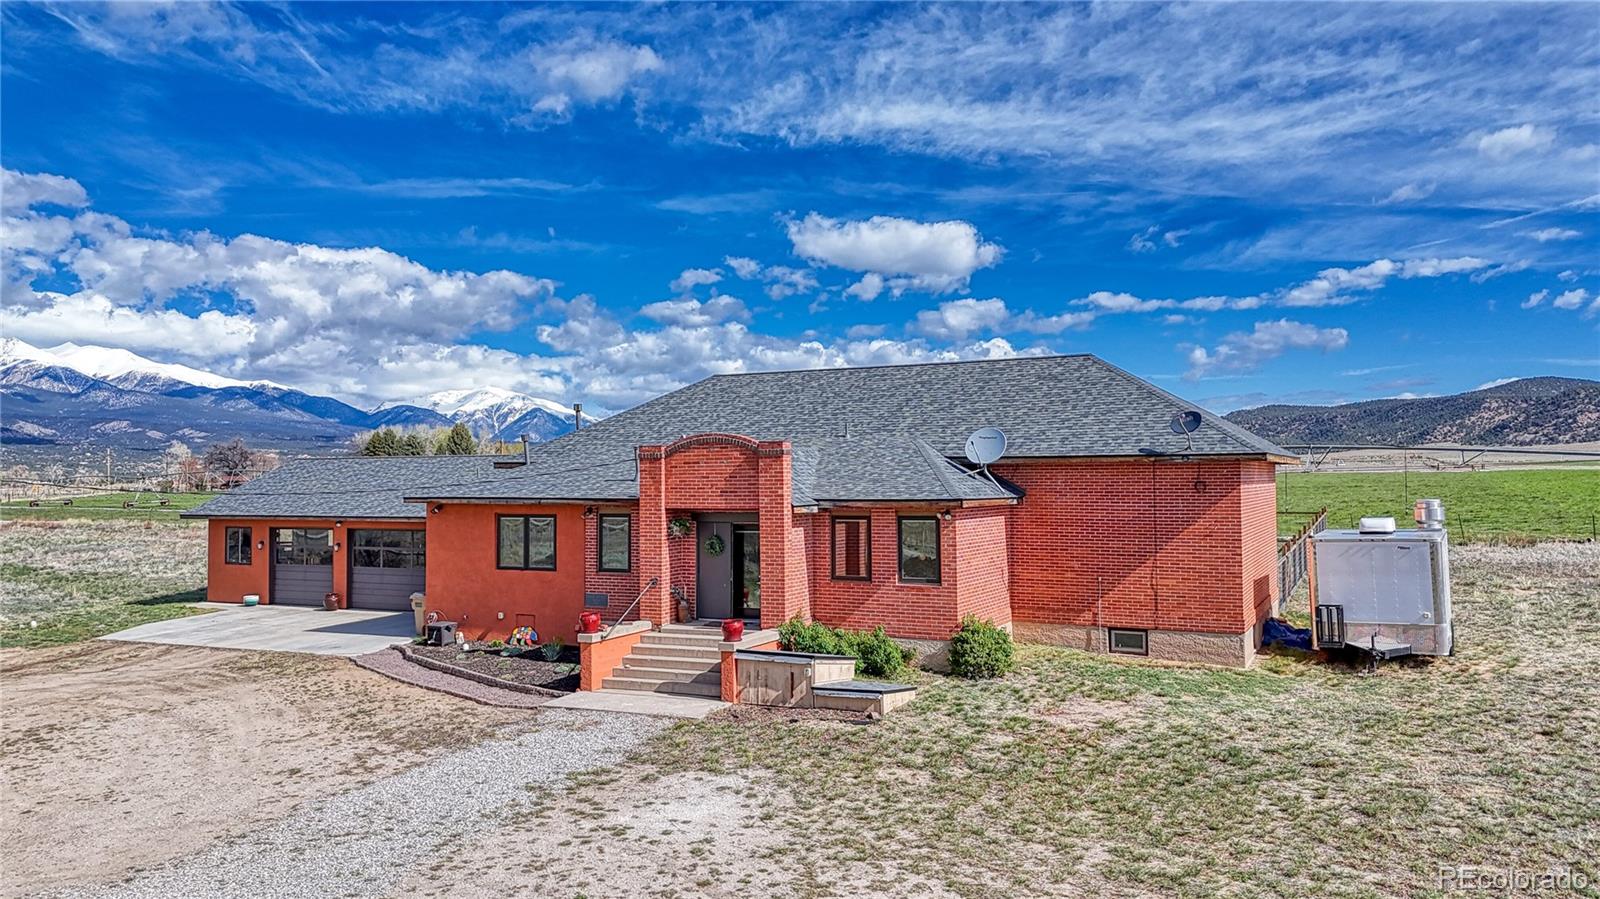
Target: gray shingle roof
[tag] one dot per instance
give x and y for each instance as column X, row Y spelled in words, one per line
column 344, row 487
column 879, row 433
column 887, row 433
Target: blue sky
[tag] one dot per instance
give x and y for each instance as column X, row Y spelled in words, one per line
column 1244, row 203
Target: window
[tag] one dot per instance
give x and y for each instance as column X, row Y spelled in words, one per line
column 614, row 533
column 302, row 546
column 389, row 549
column 852, row 549
column 239, row 548
column 527, row 542
column 1131, row 642
column 919, row 550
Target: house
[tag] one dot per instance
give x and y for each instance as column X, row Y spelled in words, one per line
column 840, row 495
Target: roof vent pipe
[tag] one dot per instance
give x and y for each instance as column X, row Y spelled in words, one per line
column 527, row 450
column 577, row 416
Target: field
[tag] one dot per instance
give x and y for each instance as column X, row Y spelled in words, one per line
column 63, row 581
column 1479, row 505
column 105, row 507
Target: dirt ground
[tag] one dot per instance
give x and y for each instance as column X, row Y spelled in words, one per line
column 117, row 756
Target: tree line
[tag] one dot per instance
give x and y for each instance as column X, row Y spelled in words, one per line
column 456, row 440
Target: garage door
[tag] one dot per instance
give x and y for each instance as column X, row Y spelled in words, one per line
column 302, row 566
column 386, row 567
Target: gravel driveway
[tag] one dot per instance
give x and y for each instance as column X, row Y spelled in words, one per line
column 362, row 843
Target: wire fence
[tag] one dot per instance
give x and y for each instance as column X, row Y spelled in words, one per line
column 1293, row 558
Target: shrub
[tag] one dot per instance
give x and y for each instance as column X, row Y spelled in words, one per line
column 876, row 655
column 980, row 650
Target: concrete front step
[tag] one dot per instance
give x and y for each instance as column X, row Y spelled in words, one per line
column 673, row 638
column 652, row 659
column 699, row 653
column 646, row 672
column 687, row 688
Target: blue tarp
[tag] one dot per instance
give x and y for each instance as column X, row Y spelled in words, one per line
column 1280, row 632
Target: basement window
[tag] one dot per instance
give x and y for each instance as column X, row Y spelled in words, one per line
column 919, row 550
column 615, row 531
column 526, row 542
column 852, row 549
column 238, row 546
column 1128, row 642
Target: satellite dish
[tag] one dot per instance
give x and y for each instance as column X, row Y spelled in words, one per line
column 1185, row 422
column 986, row 445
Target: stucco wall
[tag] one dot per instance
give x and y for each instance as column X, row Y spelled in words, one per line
column 230, row 583
column 464, row 585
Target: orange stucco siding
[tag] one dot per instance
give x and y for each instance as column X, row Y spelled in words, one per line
column 486, row 602
column 230, row 583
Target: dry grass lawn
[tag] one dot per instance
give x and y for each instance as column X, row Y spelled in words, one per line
column 116, row 756
column 1081, row 775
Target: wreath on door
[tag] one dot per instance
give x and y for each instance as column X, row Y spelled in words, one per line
column 715, row 545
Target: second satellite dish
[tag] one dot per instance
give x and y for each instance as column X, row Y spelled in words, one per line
column 986, row 445
column 1185, row 422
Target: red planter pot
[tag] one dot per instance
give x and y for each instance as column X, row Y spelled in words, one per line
column 589, row 623
column 732, row 630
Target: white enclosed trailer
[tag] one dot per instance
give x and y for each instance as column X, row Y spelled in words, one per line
column 1384, row 590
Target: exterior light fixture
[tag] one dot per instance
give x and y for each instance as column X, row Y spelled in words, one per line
column 945, row 515
column 588, row 511
column 338, row 522
column 261, row 544
column 437, row 508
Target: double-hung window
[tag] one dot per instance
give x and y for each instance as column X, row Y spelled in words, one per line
column 526, row 542
column 919, row 550
column 238, row 546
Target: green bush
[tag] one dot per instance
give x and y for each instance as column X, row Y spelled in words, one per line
column 876, row 655
column 980, row 650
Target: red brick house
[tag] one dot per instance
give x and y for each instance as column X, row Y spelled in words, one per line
column 839, row 495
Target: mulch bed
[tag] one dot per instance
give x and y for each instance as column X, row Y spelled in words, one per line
column 525, row 671
column 770, row 714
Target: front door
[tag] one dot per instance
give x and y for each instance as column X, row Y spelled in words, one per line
column 746, row 573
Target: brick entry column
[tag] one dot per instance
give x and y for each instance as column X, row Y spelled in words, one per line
column 653, row 559
column 783, row 593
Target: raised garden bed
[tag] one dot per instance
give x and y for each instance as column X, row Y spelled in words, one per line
column 529, row 673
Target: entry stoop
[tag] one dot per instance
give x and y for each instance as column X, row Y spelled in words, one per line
column 679, row 658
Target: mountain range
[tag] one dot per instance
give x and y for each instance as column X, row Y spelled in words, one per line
column 72, row 395
column 1524, row 412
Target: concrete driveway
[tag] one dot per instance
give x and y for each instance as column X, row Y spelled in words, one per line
column 348, row 632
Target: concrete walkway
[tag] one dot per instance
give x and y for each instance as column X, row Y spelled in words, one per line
column 635, row 702
column 348, row 632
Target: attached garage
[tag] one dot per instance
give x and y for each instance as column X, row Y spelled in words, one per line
column 386, row 567
column 302, row 566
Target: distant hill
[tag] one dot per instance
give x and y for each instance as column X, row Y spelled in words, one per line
column 1524, row 412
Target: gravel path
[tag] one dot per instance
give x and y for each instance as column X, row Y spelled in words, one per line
column 364, row 842
column 390, row 663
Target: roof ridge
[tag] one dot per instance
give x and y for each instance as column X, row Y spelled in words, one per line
column 929, row 364
column 937, row 462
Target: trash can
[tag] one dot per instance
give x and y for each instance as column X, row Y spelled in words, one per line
column 441, row 633
column 417, row 602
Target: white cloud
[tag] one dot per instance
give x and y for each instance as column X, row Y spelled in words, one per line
column 1535, row 299
column 1149, row 239
column 1567, row 276
column 937, row 257
column 690, row 278
column 1508, row 142
column 1244, row 351
column 781, row 280
column 1342, row 286
column 960, row 319
column 1409, row 193
column 1497, row 382
column 588, row 72
column 20, row 191
column 1570, row 299
column 690, row 312
column 1545, row 235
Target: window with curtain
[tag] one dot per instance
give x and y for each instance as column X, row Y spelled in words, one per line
column 852, row 549
column 615, row 531
column 526, row 542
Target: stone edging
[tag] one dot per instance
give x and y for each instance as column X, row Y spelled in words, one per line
column 468, row 674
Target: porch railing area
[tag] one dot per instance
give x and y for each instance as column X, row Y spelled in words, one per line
column 1293, row 557
column 629, row 610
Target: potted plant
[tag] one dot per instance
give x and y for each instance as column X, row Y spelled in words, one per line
column 679, row 527
column 330, row 602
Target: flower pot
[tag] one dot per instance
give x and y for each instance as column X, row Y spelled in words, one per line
column 589, row 623
column 330, row 601
column 732, row 630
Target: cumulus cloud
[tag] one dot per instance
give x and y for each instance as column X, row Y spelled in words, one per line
column 1508, row 142
column 1570, row 299
column 1243, row 351
column 960, row 319
column 937, row 257
column 20, row 191
column 589, row 72
column 780, row 280
column 690, row 312
column 1546, row 235
column 690, row 278
column 1535, row 299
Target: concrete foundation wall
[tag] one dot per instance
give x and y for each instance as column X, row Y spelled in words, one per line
column 1233, row 650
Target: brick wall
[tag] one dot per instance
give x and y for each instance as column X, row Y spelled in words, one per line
column 983, row 571
column 919, row 611
column 1258, row 488
column 620, row 587
column 1156, row 545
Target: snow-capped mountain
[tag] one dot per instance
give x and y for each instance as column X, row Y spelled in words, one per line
column 77, row 395
column 498, row 414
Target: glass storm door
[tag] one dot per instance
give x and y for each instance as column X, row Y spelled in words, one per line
column 746, row 573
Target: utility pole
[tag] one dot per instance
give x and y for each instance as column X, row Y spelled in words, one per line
column 108, row 466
